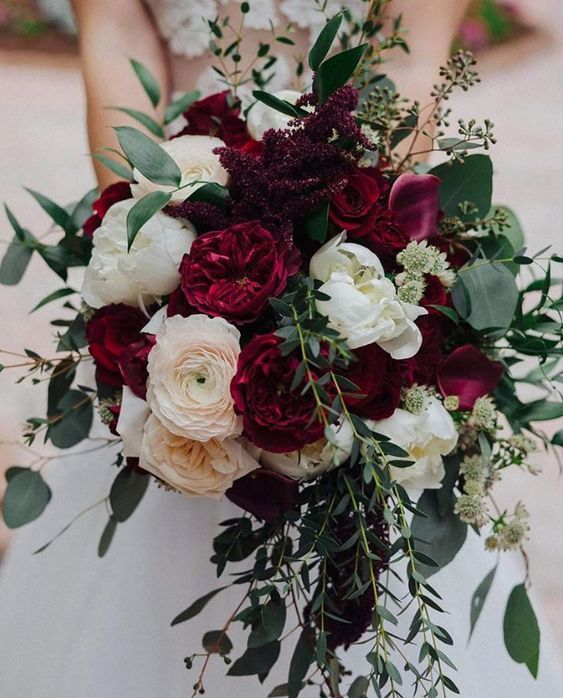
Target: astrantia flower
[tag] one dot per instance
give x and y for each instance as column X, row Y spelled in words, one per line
column 364, row 307
column 147, row 271
column 190, row 371
column 110, row 332
column 426, row 437
column 195, row 468
column 233, row 273
column 275, row 417
column 197, row 162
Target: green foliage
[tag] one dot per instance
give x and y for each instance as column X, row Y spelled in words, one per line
column 148, row 157
column 142, row 211
column 122, row 171
column 281, row 105
column 470, row 180
column 479, row 597
column 144, row 119
column 196, row 607
column 324, row 41
column 256, row 660
column 316, row 224
column 217, row 642
column 107, row 536
column 336, row 71
column 521, row 630
column 211, row 193
column 180, row 105
column 25, row 498
column 148, row 81
column 126, row 492
column 19, row 252
column 71, row 420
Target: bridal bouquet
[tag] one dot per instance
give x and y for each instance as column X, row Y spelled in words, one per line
column 285, row 309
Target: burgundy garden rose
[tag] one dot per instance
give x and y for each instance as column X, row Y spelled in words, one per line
column 110, row 196
column 133, row 365
column 422, row 367
column 274, row 417
column 217, row 115
column 379, row 381
column 265, row 494
column 232, row 273
column 110, row 332
column 434, row 294
column 356, row 206
column 469, row 374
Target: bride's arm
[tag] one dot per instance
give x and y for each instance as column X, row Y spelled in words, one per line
column 111, row 32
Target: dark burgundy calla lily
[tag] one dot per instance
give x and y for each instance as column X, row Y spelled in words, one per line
column 415, row 202
column 265, row 494
column 469, row 374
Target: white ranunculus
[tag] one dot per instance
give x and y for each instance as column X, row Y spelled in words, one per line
column 426, row 437
column 262, row 118
column 190, row 372
column 364, row 307
column 145, row 272
column 197, row 162
column 195, row 468
column 313, row 459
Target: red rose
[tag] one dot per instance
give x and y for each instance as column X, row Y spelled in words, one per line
column 385, row 238
column 378, row 378
column 274, row 417
column 434, row 294
column 422, row 367
column 232, row 273
column 217, row 115
column 110, row 196
column 110, row 331
column 469, row 374
column 264, row 494
column 133, row 365
column 178, row 304
column 355, row 207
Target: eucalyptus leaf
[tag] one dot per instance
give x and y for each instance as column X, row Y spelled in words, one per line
column 217, row 642
column 145, row 120
column 148, row 157
column 359, row 688
column 256, row 660
column 148, row 81
column 196, row 607
column 25, row 498
column 302, row 658
column 116, row 167
column 107, row 536
column 336, row 71
column 539, row 411
column 324, row 41
column 15, row 261
column 521, row 630
column 126, row 492
column 180, row 105
column 60, row 293
column 142, row 211
column 468, row 180
column 75, row 415
column 57, row 214
column 281, row 105
column 478, row 599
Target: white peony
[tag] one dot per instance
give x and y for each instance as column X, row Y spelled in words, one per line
column 426, row 437
column 262, row 118
column 197, row 162
column 313, row 459
column 133, row 414
column 190, row 372
column 364, row 307
column 194, row 468
column 145, row 272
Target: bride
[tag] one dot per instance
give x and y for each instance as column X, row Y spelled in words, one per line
column 75, row 626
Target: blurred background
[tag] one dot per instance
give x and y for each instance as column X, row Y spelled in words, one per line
column 42, row 121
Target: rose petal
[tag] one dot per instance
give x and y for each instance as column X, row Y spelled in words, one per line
column 264, row 494
column 469, row 374
column 414, row 200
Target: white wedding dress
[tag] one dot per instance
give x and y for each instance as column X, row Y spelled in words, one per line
column 76, row 626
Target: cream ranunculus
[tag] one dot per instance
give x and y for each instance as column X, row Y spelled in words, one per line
column 145, row 272
column 194, row 468
column 426, row 437
column 190, row 371
column 197, row 162
column 314, row 459
column 364, row 306
column 262, row 118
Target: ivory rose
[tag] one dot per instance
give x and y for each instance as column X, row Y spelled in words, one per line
column 262, row 118
column 426, row 437
column 194, row 468
column 197, row 162
column 145, row 272
column 364, row 306
column 190, row 370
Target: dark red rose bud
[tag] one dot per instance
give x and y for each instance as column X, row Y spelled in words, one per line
column 133, row 365
column 110, row 196
column 264, row 494
column 274, row 417
column 233, row 273
column 414, row 199
column 110, row 331
column 379, row 381
column 355, row 207
column 469, row 374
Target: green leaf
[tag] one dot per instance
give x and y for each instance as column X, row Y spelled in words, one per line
column 142, row 211
column 469, row 180
column 13, row 470
column 316, row 224
column 180, row 105
column 521, row 630
column 61, row 293
column 256, row 660
column 324, row 41
column 54, row 211
column 197, row 607
column 147, row 121
column 75, row 422
column 438, row 536
column 15, row 261
column 513, row 232
column 533, row 664
column 478, row 599
column 126, row 492
column 25, row 498
column 148, row 157
column 336, row 71
column 557, row 439
column 59, row 384
column 116, row 167
column 485, row 296
column 272, row 624
column 107, row 536
column 56, row 258
column 148, row 81
column 83, row 208
column 539, row 411
column 211, row 193
column 217, row 642
column 359, row 689
column 301, row 660
column 280, row 105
